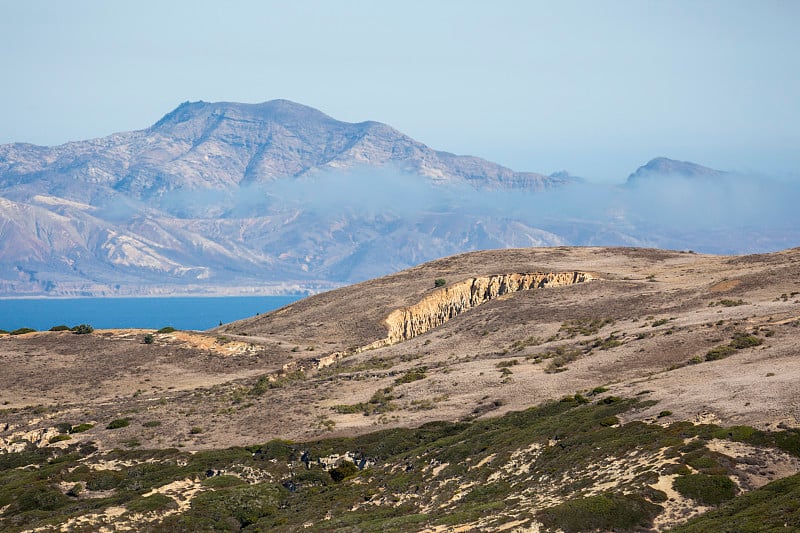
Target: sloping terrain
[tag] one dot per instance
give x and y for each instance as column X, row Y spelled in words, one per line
column 663, row 384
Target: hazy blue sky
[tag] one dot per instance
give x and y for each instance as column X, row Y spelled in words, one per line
column 596, row 88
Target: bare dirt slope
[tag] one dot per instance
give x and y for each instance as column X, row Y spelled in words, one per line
column 303, row 371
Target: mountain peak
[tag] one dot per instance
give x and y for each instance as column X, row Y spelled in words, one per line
column 280, row 110
column 663, row 166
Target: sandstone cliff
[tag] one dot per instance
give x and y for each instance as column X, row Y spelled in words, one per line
column 449, row 302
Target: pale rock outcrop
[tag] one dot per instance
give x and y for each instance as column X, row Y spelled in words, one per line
column 449, row 302
column 446, row 303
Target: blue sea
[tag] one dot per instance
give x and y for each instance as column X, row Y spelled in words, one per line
column 196, row 313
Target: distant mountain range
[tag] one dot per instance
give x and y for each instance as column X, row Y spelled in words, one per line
column 228, row 198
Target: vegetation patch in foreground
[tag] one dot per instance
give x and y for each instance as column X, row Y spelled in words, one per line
column 440, row 475
column 604, row 512
column 772, row 508
column 706, row 489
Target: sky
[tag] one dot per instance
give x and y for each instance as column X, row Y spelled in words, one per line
column 593, row 87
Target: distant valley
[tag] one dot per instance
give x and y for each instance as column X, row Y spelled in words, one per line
column 273, row 198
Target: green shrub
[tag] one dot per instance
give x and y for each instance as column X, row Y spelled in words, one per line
column 415, row 374
column 62, row 327
column 230, row 509
column 80, row 428
column 75, row 491
column 609, row 421
column 604, row 512
column 58, row 438
column 104, row 479
column 344, row 470
column 3, row 332
column 731, row 303
column 439, row 282
column 585, row 327
column 769, row 508
column 608, row 400
column 39, row 497
column 82, row 329
column 705, row 489
column 720, row 352
column 22, row 331
column 149, row 339
column 149, row 504
column 166, row 329
column 743, row 340
column 119, row 423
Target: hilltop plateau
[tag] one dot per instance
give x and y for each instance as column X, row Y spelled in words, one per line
column 623, row 389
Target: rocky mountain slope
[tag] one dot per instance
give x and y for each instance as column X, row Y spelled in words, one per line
column 227, row 198
column 213, row 198
column 615, row 389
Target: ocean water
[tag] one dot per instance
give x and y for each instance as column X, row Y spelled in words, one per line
column 196, row 313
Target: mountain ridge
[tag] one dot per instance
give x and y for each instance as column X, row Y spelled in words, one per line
column 229, row 198
column 221, row 144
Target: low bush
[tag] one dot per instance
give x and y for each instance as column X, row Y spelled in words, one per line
column 720, row 352
column 705, row 489
column 82, row 329
column 75, row 490
column 119, row 423
column 585, row 327
column 149, row 504
column 22, row 331
column 415, row 374
column 166, row 329
column 149, row 339
column 62, row 327
column 743, row 340
column 80, row 428
column 439, row 282
column 343, row 471
column 604, row 512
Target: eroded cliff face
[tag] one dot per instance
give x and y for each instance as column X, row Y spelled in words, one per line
column 440, row 306
column 449, row 302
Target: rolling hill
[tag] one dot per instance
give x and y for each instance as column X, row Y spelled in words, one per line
column 584, row 389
